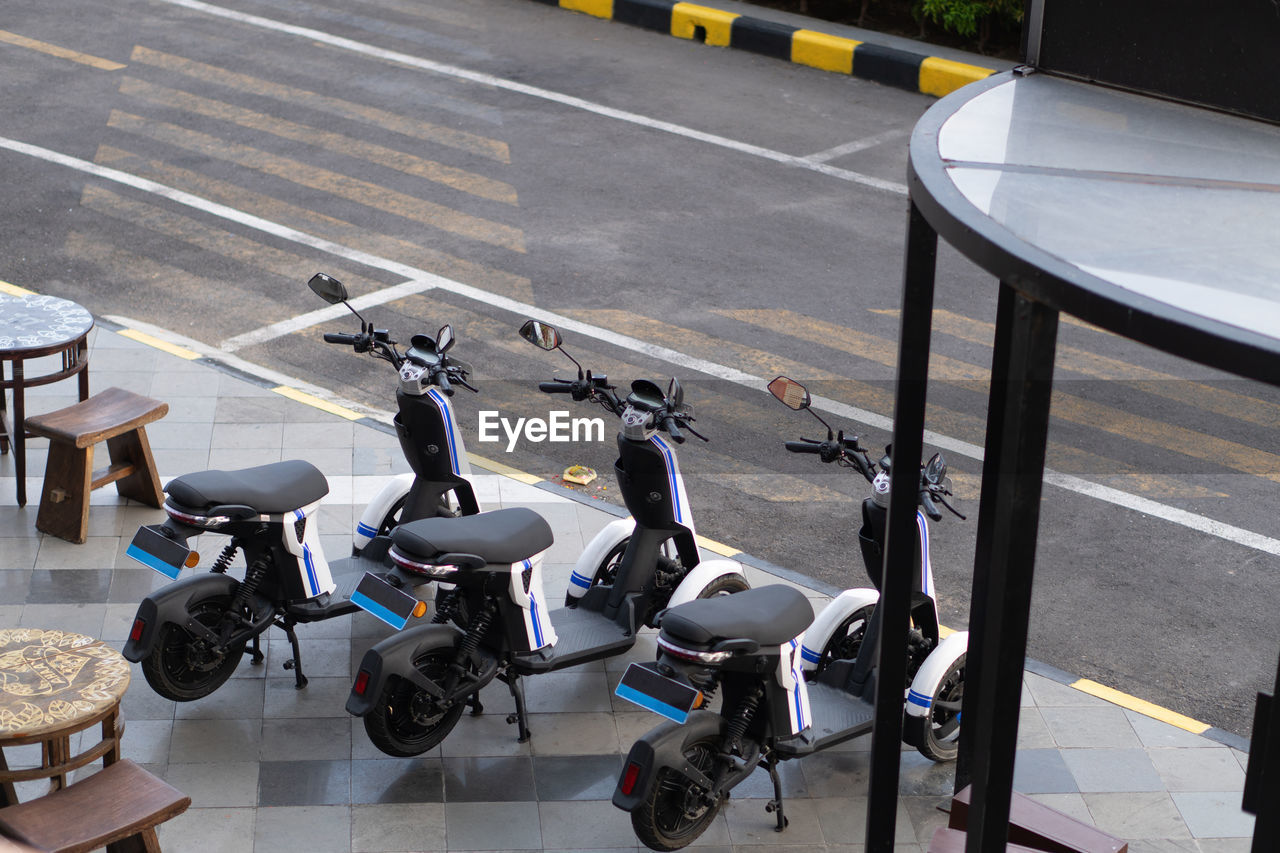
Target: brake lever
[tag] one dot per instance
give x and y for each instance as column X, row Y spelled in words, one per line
column 942, row 500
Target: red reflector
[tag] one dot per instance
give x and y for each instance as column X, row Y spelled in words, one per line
column 629, row 778
column 362, row 682
column 135, row 633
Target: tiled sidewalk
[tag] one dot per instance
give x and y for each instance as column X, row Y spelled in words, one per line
column 270, row 768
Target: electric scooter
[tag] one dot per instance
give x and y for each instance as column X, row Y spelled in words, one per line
column 791, row 685
column 190, row 636
column 411, row 688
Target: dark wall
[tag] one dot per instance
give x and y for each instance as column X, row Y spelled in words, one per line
column 1221, row 53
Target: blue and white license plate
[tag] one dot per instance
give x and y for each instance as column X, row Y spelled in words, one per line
column 156, row 551
column 378, row 598
column 646, row 687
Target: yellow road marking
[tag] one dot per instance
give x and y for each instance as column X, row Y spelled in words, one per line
column 1067, row 407
column 717, row 25
column 505, row 470
column 317, row 402
column 410, row 164
column 461, row 140
column 14, row 290
column 164, row 346
column 819, row 50
column 1142, row 706
column 60, row 52
column 319, row 224
column 363, row 192
column 716, row 547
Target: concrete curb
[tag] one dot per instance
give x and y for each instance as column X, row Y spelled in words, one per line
column 892, row 66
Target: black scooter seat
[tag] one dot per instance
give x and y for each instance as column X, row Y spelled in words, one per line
column 270, row 489
column 770, row 615
column 500, row 536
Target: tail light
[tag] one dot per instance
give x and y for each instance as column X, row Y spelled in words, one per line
column 630, row 777
column 362, row 682
column 135, row 633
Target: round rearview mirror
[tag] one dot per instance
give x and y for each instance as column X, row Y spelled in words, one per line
column 540, row 335
column 791, row 393
column 328, row 288
column 444, row 338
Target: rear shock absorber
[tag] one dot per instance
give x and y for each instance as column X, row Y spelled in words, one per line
column 742, row 716
column 253, row 575
column 223, row 562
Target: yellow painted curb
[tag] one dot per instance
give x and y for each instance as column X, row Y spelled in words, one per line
column 598, row 8
column 685, row 17
column 317, row 402
column 717, row 547
column 819, row 50
column 163, row 346
column 1133, row 703
column 942, row 76
column 504, row 470
column 14, row 290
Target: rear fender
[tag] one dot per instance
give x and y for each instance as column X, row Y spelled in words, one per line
column 394, row 656
column 170, row 604
column 663, row 747
column 701, row 575
column 817, row 635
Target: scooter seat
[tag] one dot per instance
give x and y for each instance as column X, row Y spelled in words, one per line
column 770, row 615
column 500, row 536
column 270, row 489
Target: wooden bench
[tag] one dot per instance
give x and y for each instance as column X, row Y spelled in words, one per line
column 118, row 808
column 953, row 840
column 115, row 416
column 1039, row 827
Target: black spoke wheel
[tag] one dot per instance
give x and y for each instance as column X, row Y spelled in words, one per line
column 408, row 721
column 607, row 571
column 677, row 810
column 941, row 738
column 182, row 667
column 846, row 639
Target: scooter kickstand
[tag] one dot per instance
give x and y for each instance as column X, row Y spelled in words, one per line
column 255, row 652
column 775, row 805
column 294, row 663
column 474, row 701
column 516, row 686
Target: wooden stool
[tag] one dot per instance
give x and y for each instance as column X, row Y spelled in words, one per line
column 118, row 808
column 115, row 416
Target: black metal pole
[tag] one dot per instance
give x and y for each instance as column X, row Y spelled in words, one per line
column 900, row 536
column 1008, row 518
column 1266, row 827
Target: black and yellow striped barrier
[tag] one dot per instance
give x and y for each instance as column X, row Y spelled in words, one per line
column 891, row 66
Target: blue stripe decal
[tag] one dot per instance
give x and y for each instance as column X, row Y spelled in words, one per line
column 447, row 412
column 313, row 582
column 796, row 678
column 578, row 580
column 365, row 530
column 919, row 699
column 650, row 704
column 924, row 552
column 372, row 607
column 809, row 655
column 169, row 571
column 533, row 609
column 668, row 457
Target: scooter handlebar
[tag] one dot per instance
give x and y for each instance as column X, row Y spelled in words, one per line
column 341, row 338
column 555, row 387
column 673, row 430
column 802, row 447
column 930, row 508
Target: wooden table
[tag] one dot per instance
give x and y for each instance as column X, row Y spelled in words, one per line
column 52, row 685
column 32, row 327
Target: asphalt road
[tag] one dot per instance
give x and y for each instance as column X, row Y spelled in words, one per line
column 190, row 166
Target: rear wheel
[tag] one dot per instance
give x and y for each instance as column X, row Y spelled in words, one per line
column 183, row 667
column 677, row 810
column 846, row 639
column 941, row 737
column 408, row 721
column 724, row 585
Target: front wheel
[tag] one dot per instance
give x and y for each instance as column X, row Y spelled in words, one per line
column 182, row 667
column 408, row 721
column 677, row 811
column 846, row 639
column 940, row 740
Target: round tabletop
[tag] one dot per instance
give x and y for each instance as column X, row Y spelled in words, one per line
column 50, row 680
column 40, row 323
column 1152, row 219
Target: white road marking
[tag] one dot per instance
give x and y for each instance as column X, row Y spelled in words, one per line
column 544, row 94
column 857, row 145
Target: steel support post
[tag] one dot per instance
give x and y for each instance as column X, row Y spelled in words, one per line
column 1008, row 518
column 1266, row 828
column 900, row 537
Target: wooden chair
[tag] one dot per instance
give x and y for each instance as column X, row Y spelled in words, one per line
column 1039, row 827
column 115, row 416
column 118, row 808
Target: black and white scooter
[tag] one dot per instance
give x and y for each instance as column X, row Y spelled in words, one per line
column 790, row 685
column 412, row 688
column 190, row 635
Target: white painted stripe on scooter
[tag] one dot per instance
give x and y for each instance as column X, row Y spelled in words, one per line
column 1107, row 494
column 544, row 94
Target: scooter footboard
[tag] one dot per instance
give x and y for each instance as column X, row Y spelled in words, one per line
column 171, row 605
column 925, row 685
column 663, row 748
column 395, row 656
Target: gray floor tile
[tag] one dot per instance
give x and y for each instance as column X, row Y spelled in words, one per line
column 84, row 619
column 1048, row 693
column 583, row 825
column 572, row 734
column 1196, row 769
column 223, row 784
column 488, row 779
column 237, row 699
column 397, row 780
column 1149, row 814
column 307, row 739
column 322, row 697
column 576, row 691
column 844, row 820
column 1112, row 770
column 147, row 741
column 315, row 829
column 200, row 830
column 69, row 586
column 304, row 783
column 1213, row 814
column 576, row 777
column 1042, row 771
column 491, row 734
column 398, row 827
column 206, row 741
column 493, row 826
column 1092, row 727
column 94, row 553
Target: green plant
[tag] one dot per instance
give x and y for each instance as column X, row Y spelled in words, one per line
column 970, row 18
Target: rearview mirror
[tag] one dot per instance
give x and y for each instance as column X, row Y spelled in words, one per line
column 328, row 288
column 540, row 335
column 935, row 470
column 790, row 393
column 444, row 338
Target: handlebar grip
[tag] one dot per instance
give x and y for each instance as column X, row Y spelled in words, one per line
column 669, row 424
column 802, row 447
column 340, row 338
column 442, row 379
column 930, row 508
column 555, row 387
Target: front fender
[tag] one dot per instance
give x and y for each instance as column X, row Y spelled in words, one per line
column 929, row 676
column 662, row 747
column 701, row 575
column 817, row 635
column 171, row 604
column 376, row 510
column 591, row 557
column 395, row 656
